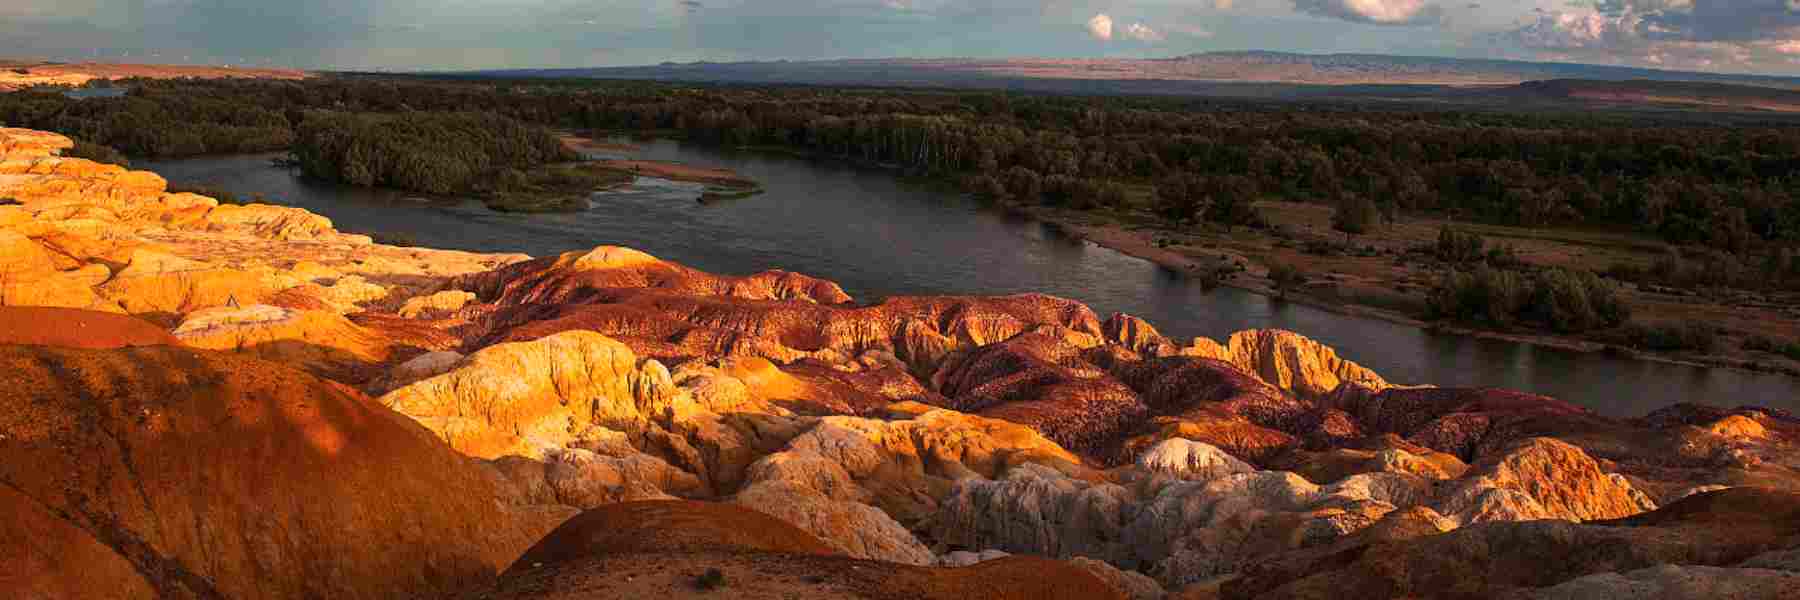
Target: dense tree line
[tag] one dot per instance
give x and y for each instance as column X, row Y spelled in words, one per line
column 429, row 152
column 1727, row 186
column 157, row 121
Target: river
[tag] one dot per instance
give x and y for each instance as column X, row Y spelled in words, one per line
column 878, row 235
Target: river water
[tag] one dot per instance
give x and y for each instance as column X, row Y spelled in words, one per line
column 877, row 235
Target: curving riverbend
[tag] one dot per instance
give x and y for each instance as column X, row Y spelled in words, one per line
column 878, row 236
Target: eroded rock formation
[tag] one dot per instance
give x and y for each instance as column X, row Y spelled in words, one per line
column 768, row 427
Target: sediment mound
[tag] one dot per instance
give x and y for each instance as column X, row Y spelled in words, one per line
column 73, row 328
column 1716, row 529
column 171, row 472
column 695, row 549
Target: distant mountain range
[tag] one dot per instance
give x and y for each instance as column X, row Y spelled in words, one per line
column 1233, row 73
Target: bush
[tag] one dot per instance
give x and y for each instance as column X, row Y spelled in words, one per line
column 984, row 186
column 1687, row 335
column 1355, row 214
column 1704, row 268
column 394, row 238
column 97, row 153
column 1286, row 277
column 1458, row 246
column 217, row 193
column 1563, row 300
column 1482, row 295
column 1760, row 343
column 712, row 579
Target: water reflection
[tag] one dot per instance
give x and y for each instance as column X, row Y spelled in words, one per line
column 877, row 236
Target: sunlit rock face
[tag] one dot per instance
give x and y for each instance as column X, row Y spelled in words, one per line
column 162, row 471
column 448, row 408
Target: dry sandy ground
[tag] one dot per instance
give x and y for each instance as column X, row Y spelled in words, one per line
column 81, row 73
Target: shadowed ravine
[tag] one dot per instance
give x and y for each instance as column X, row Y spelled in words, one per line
column 878, row 236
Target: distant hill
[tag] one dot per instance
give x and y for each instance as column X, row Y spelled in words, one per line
column 1674, row 94
column 1226, row 73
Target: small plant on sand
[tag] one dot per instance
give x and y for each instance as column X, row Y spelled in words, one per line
column 1286, row 277
column 394, row 238
column 712, row 579
column 1355, row 214
column 1764, row 343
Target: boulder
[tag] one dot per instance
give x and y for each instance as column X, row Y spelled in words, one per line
column 1191, row 460
column 318, row 341
column 1289, row 361
column 851, row 528
column 1540, row 478
column 270, row 222
column 429, row 364
column 530, row 397
column 436, row 305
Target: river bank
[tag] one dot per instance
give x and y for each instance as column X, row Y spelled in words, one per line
column 1244, row 268
column 881, row 236
column 1364, row 287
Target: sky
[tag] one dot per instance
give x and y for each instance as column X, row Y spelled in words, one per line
column 1742, row 36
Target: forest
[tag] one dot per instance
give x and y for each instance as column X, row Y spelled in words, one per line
column 429, row 152
column 1725, row 187
column 1727, row 191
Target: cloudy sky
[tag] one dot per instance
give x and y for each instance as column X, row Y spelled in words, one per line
column 1761, row 36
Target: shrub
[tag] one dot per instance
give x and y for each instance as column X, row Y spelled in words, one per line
column 1700, row 268
column 985, row 186
column 394, row 238
column 97, row 153
column 217, row 193
column 1482, row 294
column 1760, row 343
column 1567, row 301
column 1355, row 214
column 712, row 579
column 1571, row 301
column 1286, row 277
column 1687, row 335
column 1458, row 246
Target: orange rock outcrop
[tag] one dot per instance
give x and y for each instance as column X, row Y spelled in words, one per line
column 190, row 415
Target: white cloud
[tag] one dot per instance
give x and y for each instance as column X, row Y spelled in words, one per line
column 1375, row 12
column 1189, row 30
column 1143, row 33
column 1673, row 33
column 1101, row 27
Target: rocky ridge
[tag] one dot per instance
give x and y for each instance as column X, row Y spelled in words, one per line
column 903, row 447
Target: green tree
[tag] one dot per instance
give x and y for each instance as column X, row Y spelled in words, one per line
column 1354, row 215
